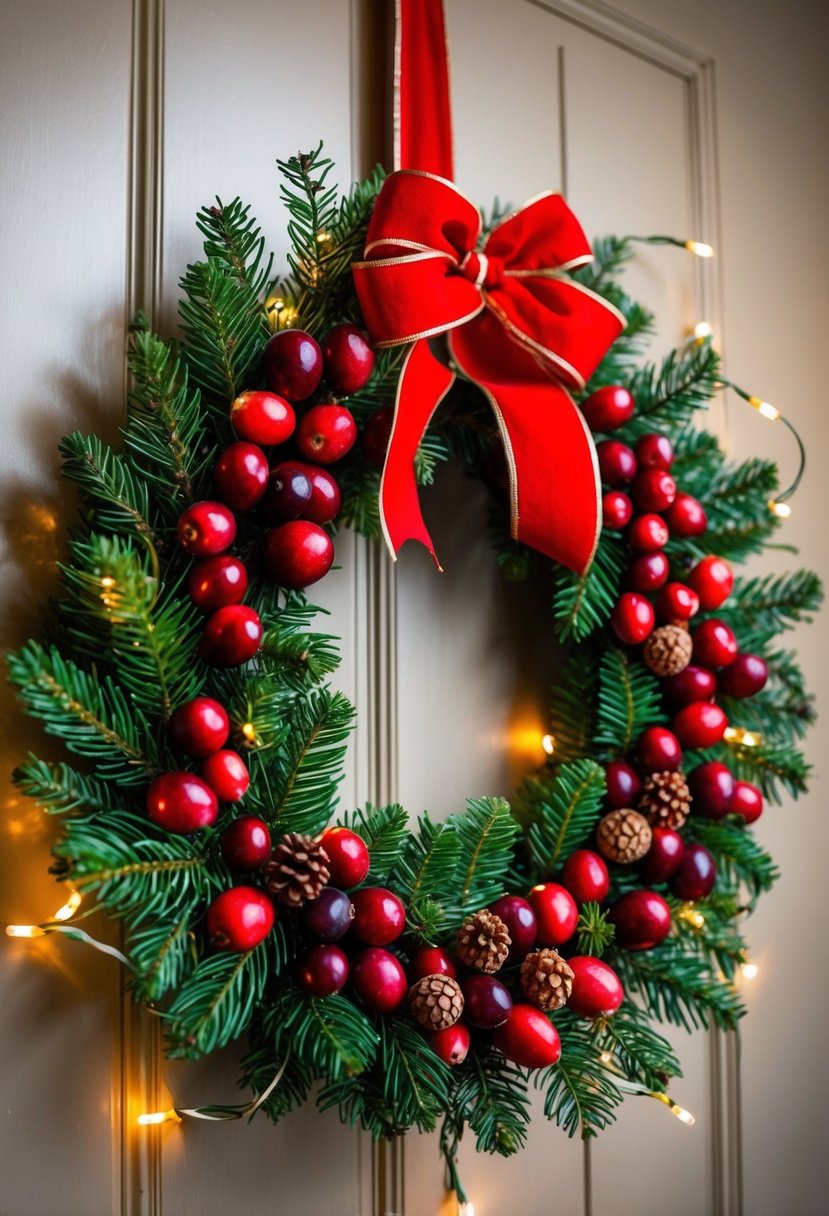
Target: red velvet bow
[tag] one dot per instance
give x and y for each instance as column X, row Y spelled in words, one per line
column 519, row 329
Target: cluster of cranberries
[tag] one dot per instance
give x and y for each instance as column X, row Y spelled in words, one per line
column 293, row 492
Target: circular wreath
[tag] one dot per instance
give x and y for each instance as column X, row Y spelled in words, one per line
column 415, row 973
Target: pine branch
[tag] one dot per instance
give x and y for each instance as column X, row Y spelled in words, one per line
column 259, row 1067
column 491, row 1097
column 298, row 657
column 117, row 498
column 676, row 987
column 572, row 714
column 638, row 1050
column 427, row 868
column 216, row 1002
column 486, row 831
column 594, row 930
column 328, row 1035
column 760, row 608
column 309, row 764
column 561, row 810
column 629, row 699
column 415, row 1082
column 771, row 766
column 385, row 831
column 581, row 1096
column 584, row 602
column 225, row 330
column 60, row 790
column 669, row 395
column 163, row 955
column 739, row 858
column 233, row 240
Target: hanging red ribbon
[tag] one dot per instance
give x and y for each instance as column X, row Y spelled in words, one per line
column 519, row 329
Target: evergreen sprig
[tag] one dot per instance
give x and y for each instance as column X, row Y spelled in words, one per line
column 629, row 699
column 561, row 810
column 308, row 765
column 215, row 1003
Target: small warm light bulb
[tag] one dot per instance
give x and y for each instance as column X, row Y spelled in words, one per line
column 24, row 931
column 749, row 971
column 743, row 737
column 606, row 1058
column 107, row 581
column 159, row 1116
column 781, row 509
column 68, row 910
column 682, row 1114
column 467, row 1208
column 764, row 407
column 692, row 917
column 700, row 249
column 249, row 731
column 702, row 330
column 549, row 744
column 324, row 238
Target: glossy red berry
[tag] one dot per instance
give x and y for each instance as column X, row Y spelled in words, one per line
column 658, row 750
column 597, row 989
column 676, row 602
column 745, row 677
column 695, row 875
column 326, row 433
column 487, row 1002
column 199, row 727
column 239, row 919
column 348, row 857
column 712, row 786
column 608, row 407
column 288, row 493
column 624, row 785
column 262, row 418
column 585, row 876
column 181, row 802
column 556, row 913
column 617, row 463
column 747, row 801
column 654, row 451
column 379, row 980
column 241, row 475
column 348, row 359
column 432, row 960
column 713, row 580
column 293, row 364
column 379, row 916
column 227, row 775
column 206, row 528
column 232, row 635
column 323, row 970
column 451, row 1044
column 700, row 724
column 632, row 620
column 617, row 510
column 297, row 554
column 528, row 1038
column 329, row 916
column 216, row 582
column 663, row 857
column 246, row 843
column 686, row 516
column 520, row 919
column 642, row 919
column 648, row 572
column 691, row 684
column 324, row 504
column 653, row 490
column 376, row 435
column 648, row 533
column 714, row 644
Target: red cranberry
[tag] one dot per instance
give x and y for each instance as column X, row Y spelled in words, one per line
column 648, row 533
column 239, row 919
column 451, row 1044
column 654, row 490
column 676, row 602
column 379, row 980
column 745, row 677
column 329, row 916
column 231, row 636
column 617, row 510
column 517, row 914
column 298, row 554
column 712, row 786
column 206, row 528
column 700, row 724
column 747, row 801
column 199, row 727
column 241, row 475
column 323, row 970
column 713, row 580
column 348, row 359
column 658, row 750
column 181, row 802
column 246, row 843
column 597, row 989
column 326, row 499
column 556, row 913
column 379, row 916
column 686, row 517
column 624, row 785
column 487, row 1002
column 608, row 407
column 326, row 433
column 528, row 1038
column 288, row 493
column 696, row 874
column 433, row 960
column 293, row 364
column 376, row 436
column 663, row 857
column 648, row 572
column 632, row 620
column 227, row 775
column 642, row 919
column 691, row 684
column 262, row 418
column 617, row 463
column 714, row 644
column 348, row 857
column 654, row 452
column 216, row 582
column 585, row 876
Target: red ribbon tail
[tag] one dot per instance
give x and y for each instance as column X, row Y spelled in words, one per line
column 423, row 384
column 423, row 115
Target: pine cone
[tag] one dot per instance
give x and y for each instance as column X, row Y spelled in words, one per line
column 546, row 980
column 666, row 800
column 668, row 650
column 623, row 836
column 436, row 1002
column 483, row 942
column 297, row 869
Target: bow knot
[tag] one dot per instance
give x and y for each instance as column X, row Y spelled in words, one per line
column 485, row 272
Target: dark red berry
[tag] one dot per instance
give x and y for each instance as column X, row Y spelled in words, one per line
column 713, row 580
column 232, row 635
column 379, row 980
column 379, row 916
column 297, row 554
column 206, row 528
column 654, row 490
column 712, row 786
column 199, row 727
column 658, row 750
column 293, row 364
column 246, row 843
column 617, row 510
column 326, row 433
column 434, row 960
column 556, row 913
column 262, row 418
column 329, row 916
column 700, row 724
column 608, row 407
column 326, row 499
column 654, row 452
column 648, row 572
column 451, row 1044
column 323, row 970
column 695, row 875
column 348, row 359
column 227, row 775
column 487, row 1002
column 632, row 620
column 216, row 582
column 676, row 602
column 642, row 919
column 288, row 493
column 745, row 677
column 348, row 857
column 239, row 919
column 714, row 644
column 520, row 919
column 686, row 517
column 585, row 876
column 624, row 785
column 241, row 475
column 376, row 437
column 528, row 1038
column 747, row 801
column 181, row 802
column 648, row 533
column 617, row 463
column 597, row 989
column 691, row 684
column 663, row 857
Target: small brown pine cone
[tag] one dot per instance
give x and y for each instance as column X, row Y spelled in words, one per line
column 297, row 869
column 436, row 1002
column 666, row 800
column 668, row 650
column 623, row 836
column 483, row 942
column 546, row 980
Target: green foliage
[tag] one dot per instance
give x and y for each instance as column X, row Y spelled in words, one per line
column 584, row 602
column 260, row 1066
column 116, row 496
column 308, row 766
column 214, row 1004
column 384, row 830
column 415, row 1082
column 60, row 790
column 629, row 700
column 640, row 1052
column 595, row 932
column 772, row 766
column 486, row 832
column 677, row 987
column 669, row 395
column 295, row 654
column 561, row 810
column 580, row 1095
column 427, row 869
column 740, row 859
column 572, row 714
column 761, row 608
column 329, row 1035
column 490, row 1095
column 163, row 955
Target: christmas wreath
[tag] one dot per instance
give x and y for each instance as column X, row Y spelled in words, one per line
column 410, row 973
